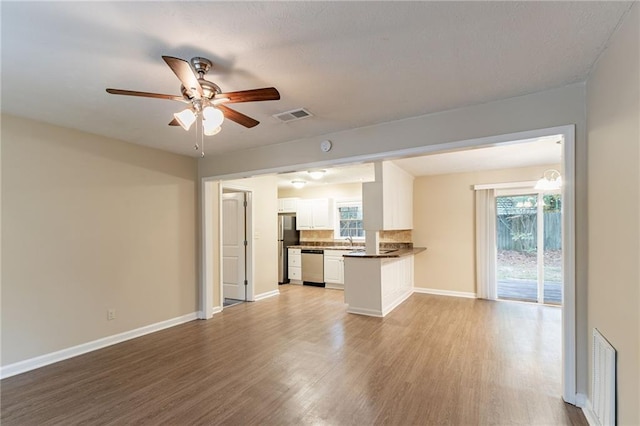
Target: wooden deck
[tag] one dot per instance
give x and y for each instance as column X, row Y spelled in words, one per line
column 300, row 359
column 525, row 290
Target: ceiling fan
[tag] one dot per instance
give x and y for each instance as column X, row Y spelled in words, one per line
column 204, row 98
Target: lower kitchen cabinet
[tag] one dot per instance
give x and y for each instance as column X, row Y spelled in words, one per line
column 295, row 266
column 377, row 285
column 334, row 269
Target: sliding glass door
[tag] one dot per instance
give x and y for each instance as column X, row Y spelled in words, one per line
column 528, row 242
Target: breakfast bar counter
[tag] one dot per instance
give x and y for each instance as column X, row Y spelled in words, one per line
column 375, row 284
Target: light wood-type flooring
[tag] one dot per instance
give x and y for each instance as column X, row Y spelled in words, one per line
column 300, row 359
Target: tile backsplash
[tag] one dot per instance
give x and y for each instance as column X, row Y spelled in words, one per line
column 324, row 236
column 402, row 236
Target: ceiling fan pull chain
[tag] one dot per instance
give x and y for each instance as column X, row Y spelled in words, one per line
column 202, row 140
column 196, row 145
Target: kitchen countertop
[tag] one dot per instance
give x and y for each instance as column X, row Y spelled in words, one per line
column 395, row 253
column 311, row 247
column 358, row 251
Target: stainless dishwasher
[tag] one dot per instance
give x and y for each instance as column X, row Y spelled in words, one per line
column 312, row 267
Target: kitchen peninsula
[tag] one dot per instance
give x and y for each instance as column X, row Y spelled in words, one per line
column 375, row 284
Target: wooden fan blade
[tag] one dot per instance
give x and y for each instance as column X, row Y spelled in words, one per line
column 174, row 122
column 254, row 95
column 145, row 94
column 185, row 73
column 238, row 117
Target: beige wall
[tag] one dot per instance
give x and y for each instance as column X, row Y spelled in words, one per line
column 614, row 208
column 91, row 223
column 265, row 232
column 444, row 222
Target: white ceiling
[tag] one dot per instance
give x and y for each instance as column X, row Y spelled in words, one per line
column 351, row 64
column 533, row 152
column 523, row 153
column 362, row 172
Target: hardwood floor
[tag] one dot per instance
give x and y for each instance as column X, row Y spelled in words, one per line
column 300, row 359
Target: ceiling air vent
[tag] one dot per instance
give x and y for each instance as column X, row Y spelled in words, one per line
column 293, row 115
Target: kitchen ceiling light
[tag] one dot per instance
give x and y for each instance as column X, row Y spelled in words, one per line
column 551, row 179
column 185, row 118
column 316, row 174
column 298, row 184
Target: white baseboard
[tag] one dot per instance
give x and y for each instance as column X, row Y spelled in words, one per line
column 214, row 310
column 592, row 419
column 50, row 358
column 395, row 303
column 266, row 295
column 444, row 292
column 580, row 400
column 364, row 311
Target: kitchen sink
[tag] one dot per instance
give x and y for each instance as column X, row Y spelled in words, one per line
column 384, row 251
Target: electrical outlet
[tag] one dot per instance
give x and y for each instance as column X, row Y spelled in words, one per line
column 111, row 314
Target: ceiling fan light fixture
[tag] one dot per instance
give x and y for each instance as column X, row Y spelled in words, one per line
column 208, row 131
column 185, row 118
column 298, row 184
column 212, row 117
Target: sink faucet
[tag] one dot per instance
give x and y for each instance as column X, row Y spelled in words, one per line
column 350, row 238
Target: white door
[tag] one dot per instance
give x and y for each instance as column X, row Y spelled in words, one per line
column 233, row 246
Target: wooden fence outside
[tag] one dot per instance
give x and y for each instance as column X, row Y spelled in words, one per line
column 519, row 232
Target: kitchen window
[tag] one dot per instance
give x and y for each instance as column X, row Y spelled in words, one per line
column 349, row 223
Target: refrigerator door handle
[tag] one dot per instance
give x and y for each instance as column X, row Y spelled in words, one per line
column 281, row 271
column 280, row 227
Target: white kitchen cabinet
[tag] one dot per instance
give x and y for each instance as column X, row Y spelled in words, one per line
column 315, row 214
column 376, row 286
column 387, row 203
column 334, row 269
column 295, row 266
column 287, row 205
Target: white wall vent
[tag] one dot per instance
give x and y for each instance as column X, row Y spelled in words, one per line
column 604, row 380
column 293, row 115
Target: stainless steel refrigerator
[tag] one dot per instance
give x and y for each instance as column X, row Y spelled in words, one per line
column 287, row 236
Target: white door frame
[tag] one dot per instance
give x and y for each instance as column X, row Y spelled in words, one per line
column 241, row 269
column 568, row 224
column 248, row 235
column 211, row 190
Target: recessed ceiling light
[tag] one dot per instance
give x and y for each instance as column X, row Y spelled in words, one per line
column 316, row 174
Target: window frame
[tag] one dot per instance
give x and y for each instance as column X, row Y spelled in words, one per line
column 353, row 202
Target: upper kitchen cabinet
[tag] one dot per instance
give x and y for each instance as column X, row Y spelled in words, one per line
column 316, row 214
column 387, row 203
column 287, row 205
